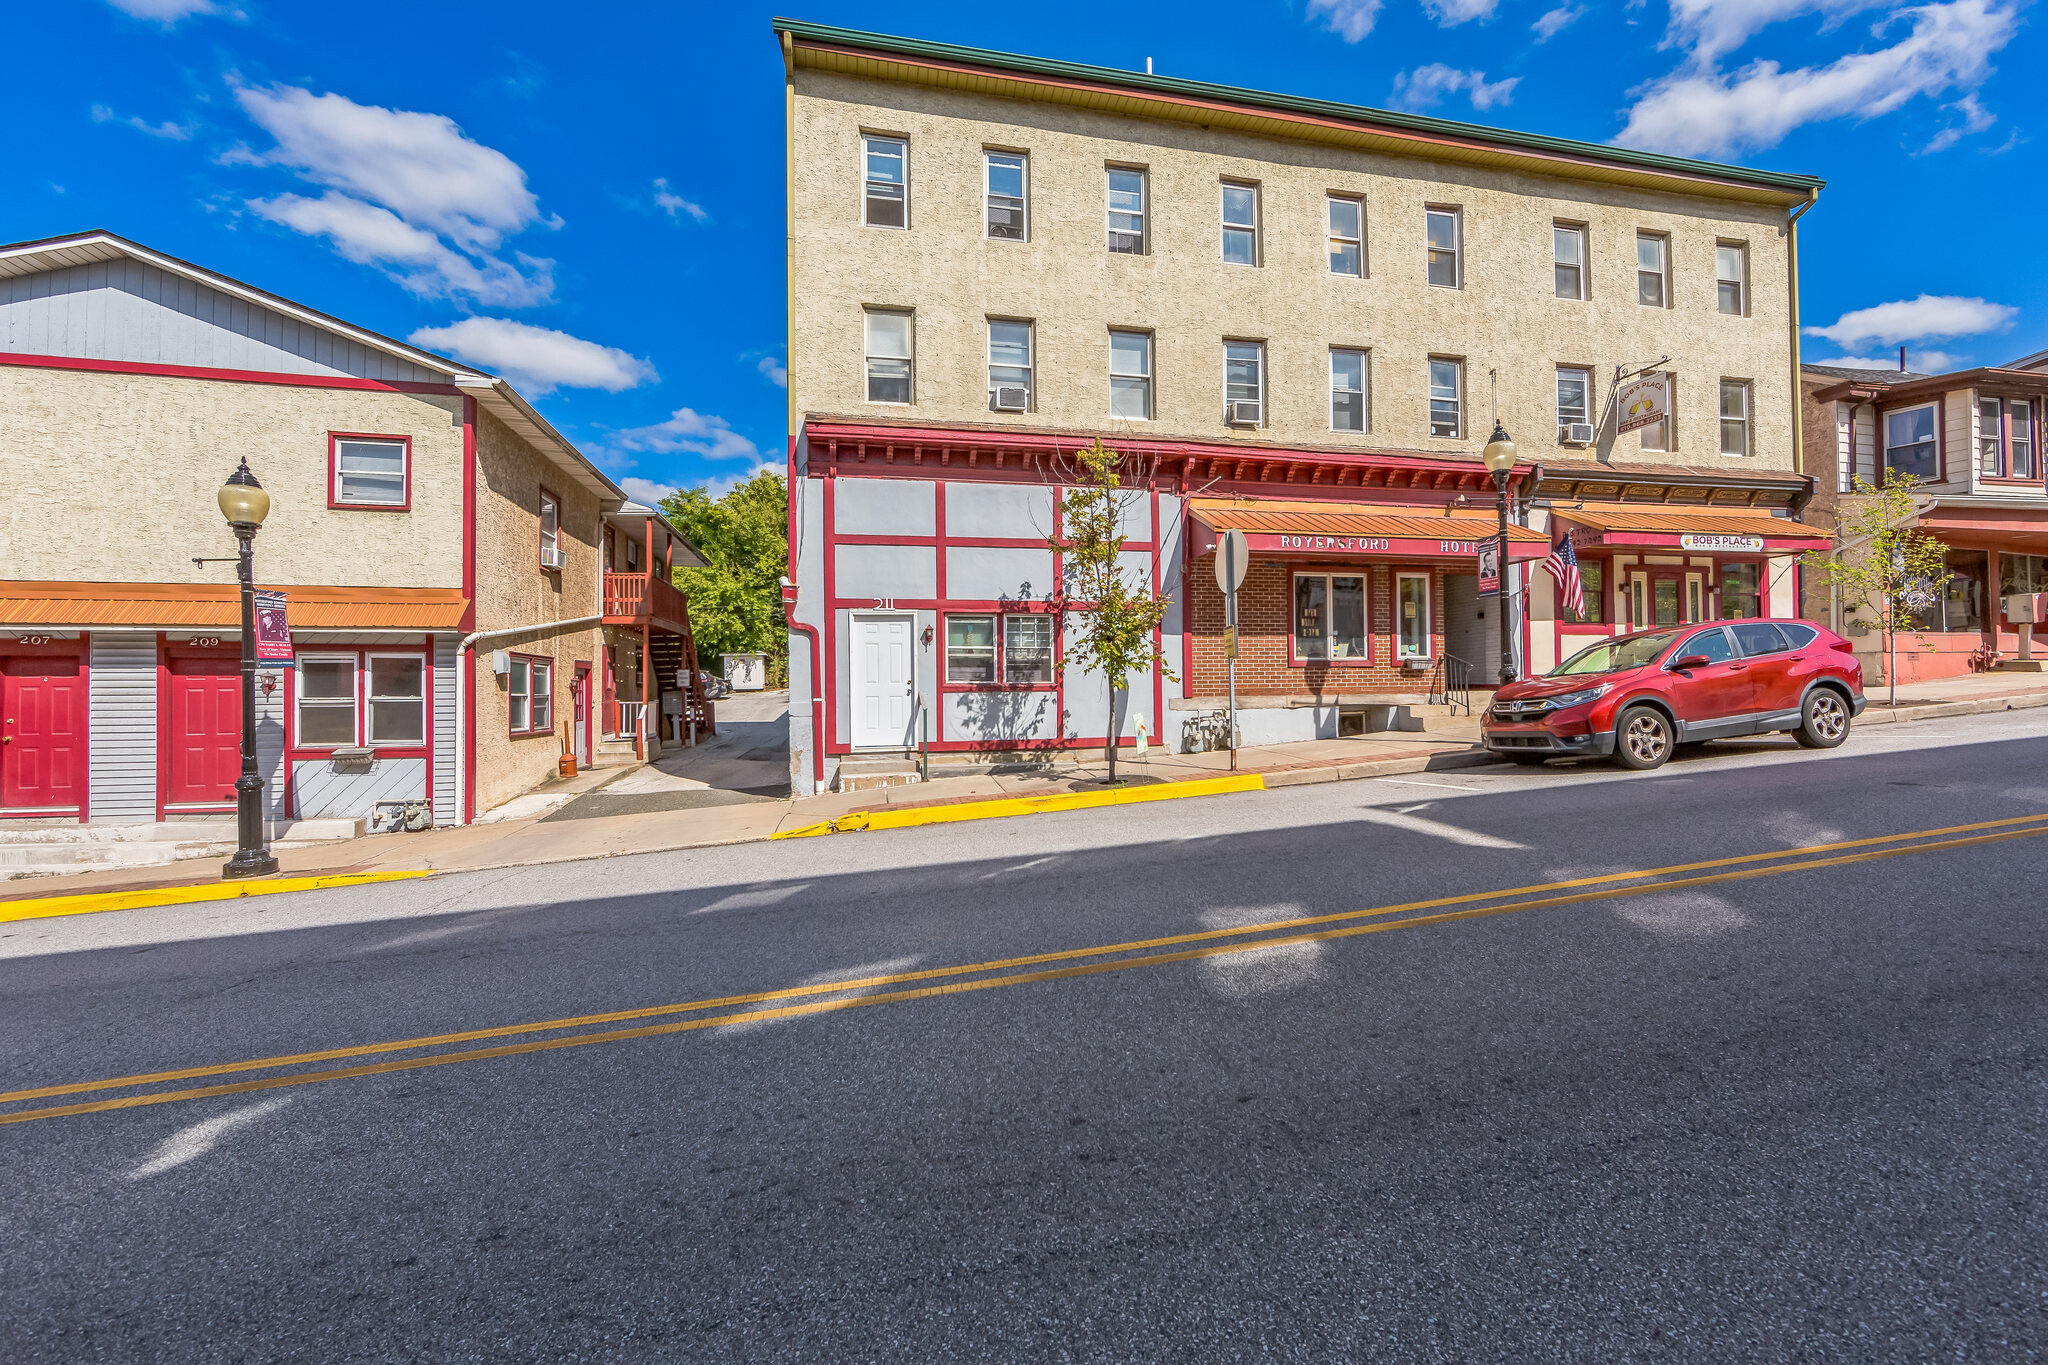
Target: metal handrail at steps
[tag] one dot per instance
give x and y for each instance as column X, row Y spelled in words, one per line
column 1450, row 683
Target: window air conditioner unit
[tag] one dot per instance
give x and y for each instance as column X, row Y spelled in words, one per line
column 1011, row 398
column 1243, row 413
column 1575, row 433
column 553, row 559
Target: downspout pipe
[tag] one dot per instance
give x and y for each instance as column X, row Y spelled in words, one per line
column 478, row 637
column 789, row 596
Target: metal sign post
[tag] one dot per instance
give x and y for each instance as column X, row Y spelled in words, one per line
column 1233, row 555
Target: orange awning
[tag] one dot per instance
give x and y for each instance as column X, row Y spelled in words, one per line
column 1278, row 527
column 177, row 606
column 1701, row 529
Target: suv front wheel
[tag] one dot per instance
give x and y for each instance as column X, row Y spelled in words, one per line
column 1642, row 738
column 1823, row 720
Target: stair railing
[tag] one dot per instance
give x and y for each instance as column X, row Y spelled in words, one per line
column 1450, row 684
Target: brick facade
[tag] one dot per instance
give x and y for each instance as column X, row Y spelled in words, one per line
column 1265, row 624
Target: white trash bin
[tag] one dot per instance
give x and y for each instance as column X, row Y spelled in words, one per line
column 746, row 672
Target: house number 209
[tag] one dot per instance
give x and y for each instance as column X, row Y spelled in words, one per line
column 206, row 641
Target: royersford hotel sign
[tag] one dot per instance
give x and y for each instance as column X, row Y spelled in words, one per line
column 1406, row 547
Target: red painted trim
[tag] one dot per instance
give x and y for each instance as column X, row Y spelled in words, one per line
column 306, row 381
column 334, row 472
column 830, row 626
column 465, row 658
column 939, row 540
column 1159, row 635
column 540, row 512
column 580, row 708
column 972, row 542
column 363, row 654
column 1364, row 574
column 58, row 649
column 164, row 650
column 547, row 662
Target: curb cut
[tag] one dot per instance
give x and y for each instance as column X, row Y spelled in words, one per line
column 95, row 902
column 1023, row 805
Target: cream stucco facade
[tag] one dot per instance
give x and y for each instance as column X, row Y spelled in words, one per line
column 112, row 479
column 1505, row 321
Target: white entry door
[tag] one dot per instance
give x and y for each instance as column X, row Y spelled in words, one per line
column 884, row 681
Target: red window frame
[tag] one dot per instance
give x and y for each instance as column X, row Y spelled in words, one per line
column 1002, row 646
column 362, row 655
column 1362, row 572
column 334, row 499
column 547, row 498
column 547, row 662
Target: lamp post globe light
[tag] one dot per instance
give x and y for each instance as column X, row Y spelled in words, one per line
column 1500, row 461
column 244, row 503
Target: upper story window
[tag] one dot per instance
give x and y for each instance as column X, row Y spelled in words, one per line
column 1009, row 366
column 1130, row 375
column 1735, row 417
column 2005, row 437
column 1347, row 390
column 1006, row 174
column 885, row 197
column 1127, row 208
column 1244, row 383
column 1910, row 445
column 1574, row 403
column 369, row 471
column 1653, row 282
column 1731, row 277
column 1240, row 224
column 1446, row 232
column 550, row 531
column 1568, row 260
column 1446, row 397
column 1347, row 235
column 889, row 347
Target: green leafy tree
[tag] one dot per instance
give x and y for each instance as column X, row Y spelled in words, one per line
column 1883, row 563
column 1115, row 620
column 736, row 603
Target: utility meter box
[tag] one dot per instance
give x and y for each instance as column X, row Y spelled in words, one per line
column 2027, row 608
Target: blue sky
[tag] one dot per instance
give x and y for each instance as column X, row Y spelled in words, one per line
column 590, row 200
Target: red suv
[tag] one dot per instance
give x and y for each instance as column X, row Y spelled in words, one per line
column 1636, row 697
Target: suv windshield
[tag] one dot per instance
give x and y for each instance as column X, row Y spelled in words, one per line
column 1612, row 656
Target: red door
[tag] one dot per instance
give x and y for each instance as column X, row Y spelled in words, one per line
column 42, row 734
column 1774, row 682
column 203, row 732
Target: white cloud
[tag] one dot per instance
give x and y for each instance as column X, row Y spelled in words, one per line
column 690, row 433
column 1351, row 20
column 777, row 372
column 1709, row 29
column 1921, row 362
column 675, row 206
column 416, row 258
column 1554, row 21
column 419, row 169
column 537, row 359
column 165, row 12
column 1451, row 13
column 1427, row 86
column 646, row 491
column 177, row 132
column 1709, row 113
column 1930, row 315
column 1976, row 118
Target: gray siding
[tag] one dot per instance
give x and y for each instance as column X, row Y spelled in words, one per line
column 123, row 775
column 270, row 764
column 129, row 311
column 349, row 790
column 445, row 757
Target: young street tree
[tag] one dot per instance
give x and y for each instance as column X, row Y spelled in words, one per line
column 1883, row 563
column 1115, row 620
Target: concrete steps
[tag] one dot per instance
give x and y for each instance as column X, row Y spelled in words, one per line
column 48, row 850
column 866, row 772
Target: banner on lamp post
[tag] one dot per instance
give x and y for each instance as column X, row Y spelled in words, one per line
column 1489, row 567
column 1642, row 402
column 273, row 629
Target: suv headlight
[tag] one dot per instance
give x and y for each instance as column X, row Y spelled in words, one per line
column 1578, row 698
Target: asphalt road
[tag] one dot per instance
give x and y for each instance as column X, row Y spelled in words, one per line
column 1785, row 1105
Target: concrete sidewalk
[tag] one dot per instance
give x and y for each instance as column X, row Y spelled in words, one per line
column 545, row 828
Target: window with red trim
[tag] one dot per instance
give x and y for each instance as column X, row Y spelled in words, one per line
column 369, row 471
column 1011, row 649
column 1329, row 617
column 529, row 705
column 355, row 699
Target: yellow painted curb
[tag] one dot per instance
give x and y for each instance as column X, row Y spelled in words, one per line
column 1025, row 805
column 92, row 903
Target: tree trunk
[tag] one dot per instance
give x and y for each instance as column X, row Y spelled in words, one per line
column 1109, row 745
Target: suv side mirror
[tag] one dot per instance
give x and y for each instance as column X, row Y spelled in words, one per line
column 1691, row 661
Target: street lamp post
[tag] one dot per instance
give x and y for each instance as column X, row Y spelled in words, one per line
column 244, row 503
column 1500, row 462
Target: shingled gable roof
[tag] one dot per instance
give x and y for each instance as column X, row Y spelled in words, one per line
column 917, row 61
column 493, row 394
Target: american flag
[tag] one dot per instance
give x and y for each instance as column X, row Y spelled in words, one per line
column 1563, row 565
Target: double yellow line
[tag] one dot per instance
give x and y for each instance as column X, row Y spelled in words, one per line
column 446, row 1049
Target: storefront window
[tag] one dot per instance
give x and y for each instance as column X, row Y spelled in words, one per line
column 1414, row 609
column 2022, row 573
column 970, row 649
column 1027, row 649
column 1739, row 595
column 1593, row 585
column 1329, row 616
column 1961, row 607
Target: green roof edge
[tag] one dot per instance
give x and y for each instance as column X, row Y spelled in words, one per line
column 1171, row 85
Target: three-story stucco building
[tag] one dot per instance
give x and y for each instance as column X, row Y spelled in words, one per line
column 1294, row 318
